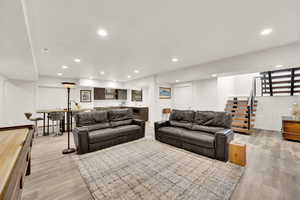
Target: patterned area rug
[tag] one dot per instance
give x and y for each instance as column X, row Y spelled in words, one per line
column 147, row 169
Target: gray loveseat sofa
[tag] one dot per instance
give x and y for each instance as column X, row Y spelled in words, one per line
column 204, row 132
column 100, row 129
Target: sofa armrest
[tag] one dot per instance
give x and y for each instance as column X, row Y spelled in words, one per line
column 160, row 124
column 223, row 138
column 140, row 123
column 81, row 139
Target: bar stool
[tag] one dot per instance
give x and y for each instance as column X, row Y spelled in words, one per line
column 56, row 117
column 28, row 116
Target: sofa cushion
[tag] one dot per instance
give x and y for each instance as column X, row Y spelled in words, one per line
column 182, row 115
column 90, row 118
column 169, row 131
column 120, row 114
column 128, row 129
column 97, row 126
column 121, row 123
column 100, row 116
column 208, row 129
column 211, row 118
column 110, row 133
column 198, row 138
column 84, row 119
column 187, row 125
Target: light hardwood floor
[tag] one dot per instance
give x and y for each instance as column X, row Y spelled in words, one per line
column 272, row 171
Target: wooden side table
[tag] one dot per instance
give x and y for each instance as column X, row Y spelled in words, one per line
column 290, row 128
column 237, row 153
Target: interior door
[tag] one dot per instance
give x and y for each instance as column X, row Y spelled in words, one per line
column 182, row 97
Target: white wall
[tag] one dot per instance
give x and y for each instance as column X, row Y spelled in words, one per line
column 151, row 96
column 16, row 98
column 205, row 95
column 212, row 94
column 182, row 97
column 51, row 93
column 1, row 100
column 271, row 109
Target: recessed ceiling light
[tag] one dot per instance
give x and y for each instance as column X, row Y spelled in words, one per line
column 214, row 75
column 59, row 74
column 77, row 60
column 136, row 71
column 102, row 73
column 64, row 67
column 176, row 81
column 266, row 31
column 102, row 32
column 90, row 77
column 128, row 76
column 174, row 59
column 278, row 66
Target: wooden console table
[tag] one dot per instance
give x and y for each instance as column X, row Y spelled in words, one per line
column 290, row 128
column 15, row 156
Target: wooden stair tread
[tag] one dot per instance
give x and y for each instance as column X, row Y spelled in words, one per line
column 238, row 109
column 243, row 114
column 242, row 119
column 240, row 105
column 240, row 101
column 240, row 115
column 241, row 125
column 242, row 130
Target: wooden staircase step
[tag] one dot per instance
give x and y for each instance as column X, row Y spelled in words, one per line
column 239, row 105
column 242, row 119
column 242, row 130
column 242, row 114
column 238, row 109
column 240, row 124
column 239, row 101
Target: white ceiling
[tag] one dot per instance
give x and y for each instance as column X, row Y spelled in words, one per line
column 145, row 34
column 286, row 56
column 16, row 60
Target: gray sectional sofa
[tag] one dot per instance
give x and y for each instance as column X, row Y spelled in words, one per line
column 203, row 132
column 100, row 129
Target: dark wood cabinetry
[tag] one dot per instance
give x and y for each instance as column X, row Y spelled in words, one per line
column 140, row 113
column 99, row 93
column 122, row 94
column 136, row 95
column 291, row 128
column 109, row 94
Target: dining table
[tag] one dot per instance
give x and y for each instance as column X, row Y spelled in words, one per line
column 46, row 113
